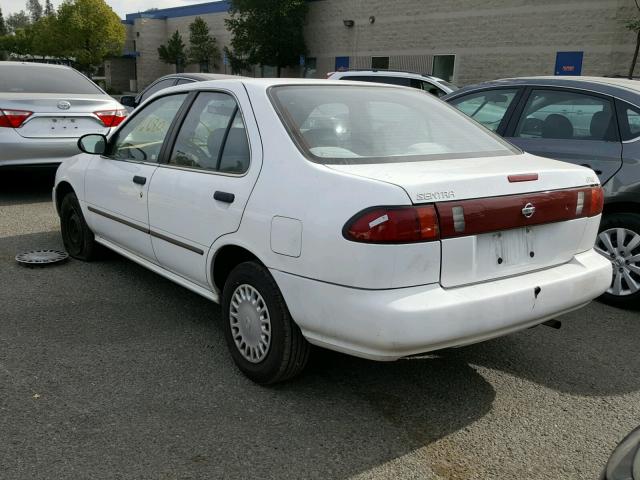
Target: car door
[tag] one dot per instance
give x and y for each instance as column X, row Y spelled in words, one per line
column 117, row 184
column 569, row 125
column 491, row 107
column 200, row 193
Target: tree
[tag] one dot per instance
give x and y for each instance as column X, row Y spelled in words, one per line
column 634, row 26
column 267, row 32
column 17, row 21
column 203, row 48
column 35, row 10
column 173, row 52
column 90, row 32
column 48, row 9
column 3, row 25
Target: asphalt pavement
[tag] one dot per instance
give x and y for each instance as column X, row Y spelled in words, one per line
column 109, row 371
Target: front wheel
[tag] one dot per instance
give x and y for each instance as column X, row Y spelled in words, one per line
column 264, row 341
column 77, row 237
column 619, row 241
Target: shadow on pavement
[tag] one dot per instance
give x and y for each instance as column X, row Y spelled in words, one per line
column 26, row 185
column 109, row 370
column 593, row 353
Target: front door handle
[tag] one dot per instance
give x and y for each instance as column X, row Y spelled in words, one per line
column 139, row 180
column 224, row 197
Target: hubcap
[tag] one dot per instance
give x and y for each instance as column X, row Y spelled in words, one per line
column 622, row 247
column 250, row 323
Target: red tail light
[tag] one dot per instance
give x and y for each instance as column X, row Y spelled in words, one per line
column 112, row 118
column 393, row 225
column 596, row 202
column 13, row 118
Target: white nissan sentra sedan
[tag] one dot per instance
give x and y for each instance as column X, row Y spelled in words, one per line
column 370, row 219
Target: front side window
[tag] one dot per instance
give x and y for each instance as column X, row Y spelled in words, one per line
column 347, row 124
column 213, row 136
column 567, row 115
column 141, row 138
column 487, row 107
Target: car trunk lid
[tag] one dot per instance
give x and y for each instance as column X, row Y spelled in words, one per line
column 56, row 116
column 499, row 216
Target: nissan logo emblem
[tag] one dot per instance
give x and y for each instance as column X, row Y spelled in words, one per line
column 528, row 210
column 64, row 105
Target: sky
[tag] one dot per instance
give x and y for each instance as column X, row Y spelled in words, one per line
column 121, row 7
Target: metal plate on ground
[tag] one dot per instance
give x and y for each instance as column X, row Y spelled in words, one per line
column 41, row 258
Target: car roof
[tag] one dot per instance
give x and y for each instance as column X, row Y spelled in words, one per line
column 623, row 88
column 199, row 77
column 34, row 64
column 385, row 73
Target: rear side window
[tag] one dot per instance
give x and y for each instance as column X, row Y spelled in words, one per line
column 427, row 87
column 44, row 79
column 404, row 82
column 213, row 136
column 567, row 115
column 373, row 124
column 487, row 107
column 629, row 116
column 156, row 87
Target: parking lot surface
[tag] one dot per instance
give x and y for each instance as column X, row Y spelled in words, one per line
column 109, row 371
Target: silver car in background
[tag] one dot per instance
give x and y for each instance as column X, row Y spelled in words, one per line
column 44, row 109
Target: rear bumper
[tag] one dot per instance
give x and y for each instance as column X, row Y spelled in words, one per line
column 17, row 150
column 389, row 324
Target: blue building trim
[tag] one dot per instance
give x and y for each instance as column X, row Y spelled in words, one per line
column 186, row 11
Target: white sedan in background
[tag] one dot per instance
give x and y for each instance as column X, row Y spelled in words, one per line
column 369, row 219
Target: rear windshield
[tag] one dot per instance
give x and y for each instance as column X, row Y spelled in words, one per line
column 361, row 124
column 44, row 79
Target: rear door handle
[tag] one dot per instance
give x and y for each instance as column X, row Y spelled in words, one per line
column 139, row 180
column 224, row 197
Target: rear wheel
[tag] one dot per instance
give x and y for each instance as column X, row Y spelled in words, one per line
column 77, row 237
column 264, row 341
column 619, row 241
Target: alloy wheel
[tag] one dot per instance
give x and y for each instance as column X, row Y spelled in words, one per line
column 622, row 247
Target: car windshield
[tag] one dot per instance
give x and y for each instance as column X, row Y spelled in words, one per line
column 361, row 124
column 44, row 79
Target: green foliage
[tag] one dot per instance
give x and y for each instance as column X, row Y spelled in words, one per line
column 48, row 9
column 89, row 31
column 17, row 21
column 266, row 32
column 203, row 47
column 634, row 25
column 35, row 10
column 3, row 25
column 85, row 31
column 174, row 52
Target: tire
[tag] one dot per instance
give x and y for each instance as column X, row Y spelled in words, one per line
column 265, row 359
column 77, row 237
column 626, row 266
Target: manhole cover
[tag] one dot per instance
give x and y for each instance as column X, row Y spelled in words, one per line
column 41, row 257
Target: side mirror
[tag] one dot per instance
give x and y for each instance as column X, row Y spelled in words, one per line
column 93, row 143
column 128, row 101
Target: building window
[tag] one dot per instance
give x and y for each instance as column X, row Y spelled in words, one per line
column 310, row 67
column 342, row 64
column 443, row 66
column 380, row 63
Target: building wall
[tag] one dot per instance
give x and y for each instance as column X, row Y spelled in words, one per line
column 489, row 38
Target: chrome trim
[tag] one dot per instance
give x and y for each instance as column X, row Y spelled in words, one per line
column 118, row 219
column 177, row 243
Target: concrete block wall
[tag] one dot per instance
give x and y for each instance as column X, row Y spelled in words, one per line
column 490, row 38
